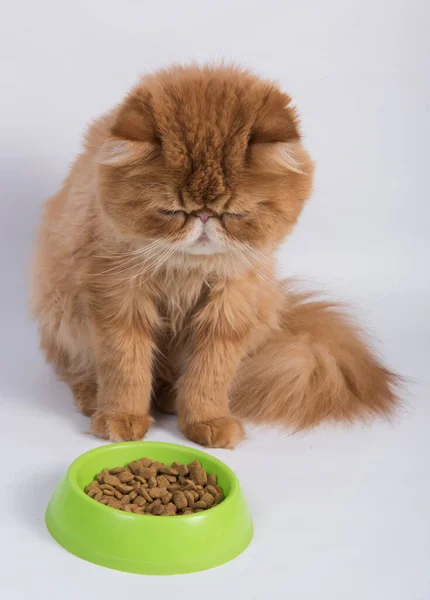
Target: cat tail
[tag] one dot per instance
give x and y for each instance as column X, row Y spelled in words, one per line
column 317, row 367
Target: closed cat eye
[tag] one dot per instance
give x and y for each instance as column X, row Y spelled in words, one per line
column 231, row 215
column 172, row 213
column 180, row 213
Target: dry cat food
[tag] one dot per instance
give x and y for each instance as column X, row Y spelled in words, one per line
column 147, row 487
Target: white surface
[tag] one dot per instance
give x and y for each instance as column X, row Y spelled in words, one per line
column 349, row 512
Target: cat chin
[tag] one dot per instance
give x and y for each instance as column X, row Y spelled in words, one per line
column 204, row 249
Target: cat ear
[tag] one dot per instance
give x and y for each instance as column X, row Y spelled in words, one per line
column 276, row 120
column 120, row 153
column 134, row 119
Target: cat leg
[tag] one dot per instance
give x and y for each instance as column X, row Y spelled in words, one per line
column 123, row 349
column 216, row 345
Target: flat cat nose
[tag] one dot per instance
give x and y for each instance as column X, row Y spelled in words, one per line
column 204, row 216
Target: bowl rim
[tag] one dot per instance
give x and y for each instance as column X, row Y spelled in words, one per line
column 74, row 467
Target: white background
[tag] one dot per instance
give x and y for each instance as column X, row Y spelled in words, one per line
column 339, row 513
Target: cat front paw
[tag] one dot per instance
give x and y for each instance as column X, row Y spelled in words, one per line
column 223, row 432
column 119, row 427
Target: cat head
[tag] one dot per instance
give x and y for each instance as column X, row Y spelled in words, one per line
column 207, row 159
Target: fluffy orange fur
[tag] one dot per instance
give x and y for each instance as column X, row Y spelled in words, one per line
column 154, row 279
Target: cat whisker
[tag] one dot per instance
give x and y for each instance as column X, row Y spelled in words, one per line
column 143, row 264
column 252, row 267
column 247, row 248
column 159, row 255
column 110, row 253
column 142, row 252
column 157, row 264
column 114, row 270
column 132, row 252
column 253, row 251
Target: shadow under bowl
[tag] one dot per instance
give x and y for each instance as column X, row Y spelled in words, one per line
column 147, row 544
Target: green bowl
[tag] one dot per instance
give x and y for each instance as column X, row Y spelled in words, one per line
column 144, row 543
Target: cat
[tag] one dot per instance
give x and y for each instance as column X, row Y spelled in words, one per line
column 153, row 276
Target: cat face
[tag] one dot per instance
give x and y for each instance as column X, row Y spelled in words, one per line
column 208, row 160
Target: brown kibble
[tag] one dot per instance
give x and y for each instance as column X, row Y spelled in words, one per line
column 147, row 487
column 155, row 503
column 174, row 487
column 212, row 479
column 124, row 488
column 199, row 476
column 135, row 467
column 182, row 469
column 116, row 470
column 166, row 498
column 139, row 501
column 156, row 465
column 219, row 498
column 94, row 486
column 194, row 465
column 147, row 472
column 125, row 477
column 179, row 500
column 208, row 499
column 145, row 494
column 184, row 480
column 105, row 486
column 158, row 510
column 189, row 487
column 111, row 480
column 211, row 490
column 170, row 510
column 167, row 470
column 162, row 481
column 189, row 497
column 157, row 492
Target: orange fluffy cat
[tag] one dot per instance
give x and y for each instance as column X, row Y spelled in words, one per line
column 154, row 271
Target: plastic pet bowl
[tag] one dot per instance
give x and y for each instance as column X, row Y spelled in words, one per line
column 147, row 544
